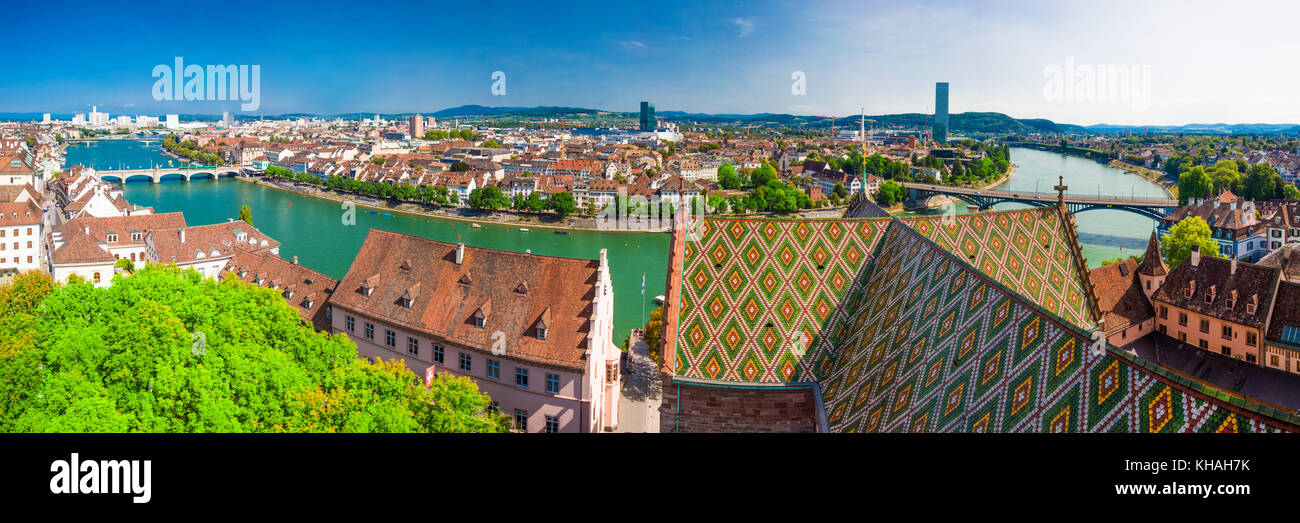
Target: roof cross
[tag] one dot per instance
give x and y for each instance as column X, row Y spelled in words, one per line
column 1060, row 190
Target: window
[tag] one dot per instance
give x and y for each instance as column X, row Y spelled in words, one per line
column 351, row 324
column 494, row 407
column 552, row 384
column 541, row 331
column 479, row 321
column 1272, row 360
column 1205, row 326
column 1163, row 330
column 413, row 346
column 1251, row 338
column 390, row 338
column 112, row 237
column 370, row 331
column 1250, row 358
column 521, row 419
column 437, row 353
column 1204, row 344
column 552, row 424
column 1225, row 350
column 96, row 276
column 465, row 362
column 494, row 369
column 521, row 377
column 1227, row 332
column 1182, row 319
column 1182, row 336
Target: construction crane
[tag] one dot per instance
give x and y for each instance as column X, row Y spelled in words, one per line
column 747, row 128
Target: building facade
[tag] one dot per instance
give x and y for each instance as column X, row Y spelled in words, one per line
column 535, row 332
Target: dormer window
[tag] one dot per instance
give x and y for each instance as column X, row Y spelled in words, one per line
column 368, row 286
column 543, row 324
column 112, row 237
column 480, row 315
column 137, row 236
column 409, row 296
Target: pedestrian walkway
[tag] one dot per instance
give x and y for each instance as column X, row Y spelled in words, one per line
column 642, row 392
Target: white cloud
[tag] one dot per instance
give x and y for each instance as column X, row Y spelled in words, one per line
column 746, row 26
column 631, row 44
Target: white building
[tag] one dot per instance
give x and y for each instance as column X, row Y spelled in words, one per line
column 22, row 230
column 173, row 121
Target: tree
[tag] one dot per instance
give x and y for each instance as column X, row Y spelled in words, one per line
column 246, row 214
column 166, row 350
column 839, row 191
column 890, row 193
column 728, row 178
column 654, row 331
column 459, row 167
column 1290, row 192
column 1177, row 245
column 1193, row 183
column 125, row 264
column 762, row 175
column 563, row 204
column 1262, row 183
column 489, row 197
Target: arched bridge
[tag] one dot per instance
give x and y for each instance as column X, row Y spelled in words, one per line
column 1154, row 208
column 157, row 174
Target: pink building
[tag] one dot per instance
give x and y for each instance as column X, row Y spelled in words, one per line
column 535, row 332
column 417, row 127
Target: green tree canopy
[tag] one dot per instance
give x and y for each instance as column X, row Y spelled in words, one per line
column 166, row 350
column 1177, row 245
column 563, row 204
column 246, row 214
column 728, row 178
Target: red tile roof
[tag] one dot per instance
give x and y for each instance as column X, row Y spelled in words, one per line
column 445, row 307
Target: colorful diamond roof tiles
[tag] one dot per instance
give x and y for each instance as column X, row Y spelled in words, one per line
column 903, row 334
column 1027, row 250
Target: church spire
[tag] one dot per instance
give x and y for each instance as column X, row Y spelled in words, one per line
column 1152, row 263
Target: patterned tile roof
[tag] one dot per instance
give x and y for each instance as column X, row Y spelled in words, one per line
column 753, row 288
column 1027, row 250
column 915, row 338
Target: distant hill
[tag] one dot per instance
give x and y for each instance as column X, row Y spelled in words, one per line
column 961, row 123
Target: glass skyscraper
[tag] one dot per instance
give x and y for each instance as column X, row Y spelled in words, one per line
column 941, row 112
column 648, row 117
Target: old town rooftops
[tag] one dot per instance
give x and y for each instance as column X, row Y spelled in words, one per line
column 1119, row 295
column 1209, row 286
column 459, row 285
column 186, row 244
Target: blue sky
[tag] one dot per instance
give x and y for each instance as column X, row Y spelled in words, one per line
column 1204, row 62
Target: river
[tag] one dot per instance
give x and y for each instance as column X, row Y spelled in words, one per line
column 1103, row 234
column 312, row 229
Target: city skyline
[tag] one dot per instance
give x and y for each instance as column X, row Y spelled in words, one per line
column 718, row 58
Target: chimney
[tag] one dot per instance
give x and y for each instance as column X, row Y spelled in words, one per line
column 295, row 260
column 1233, row 270
column 1196, row 256
column 460, row 253
column 183, row 236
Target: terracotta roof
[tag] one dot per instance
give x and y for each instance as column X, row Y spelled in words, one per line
column 79, row 247
column 1119, row 295
column 221, row 239
column 123, row 225
column 446, row 305
column 311, row 290
column 1212, row 276
column 20, row 213
column 1153, row 264
column 1287, row 311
